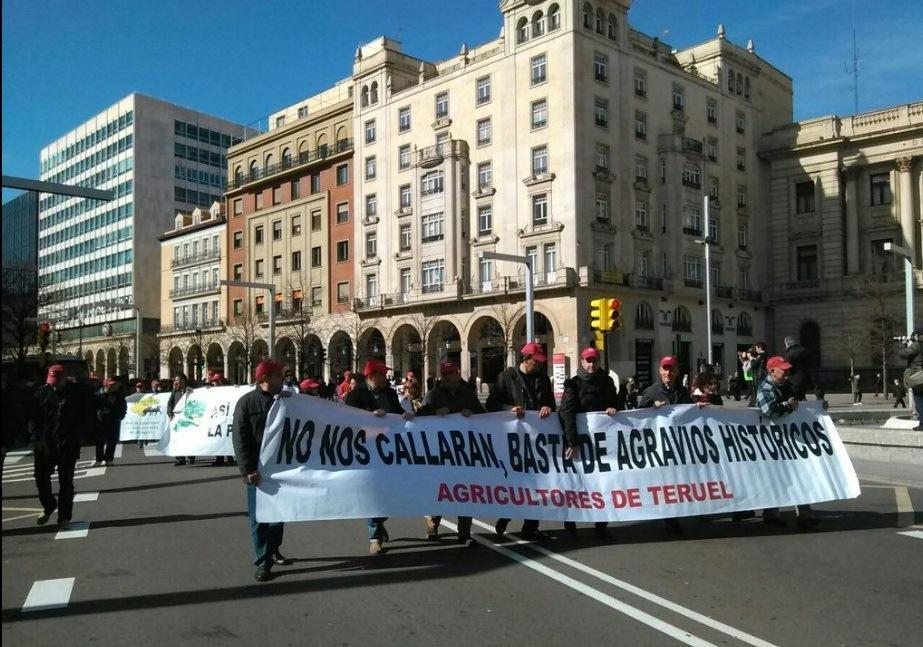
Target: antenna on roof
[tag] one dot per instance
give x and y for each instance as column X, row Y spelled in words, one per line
column 855, row 65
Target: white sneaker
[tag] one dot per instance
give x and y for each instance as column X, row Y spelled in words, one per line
column 97, row 463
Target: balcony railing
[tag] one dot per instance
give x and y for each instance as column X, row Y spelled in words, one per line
column 692, row 231
column 193, row 290
column 647, row 282
column 724, row 291
column 306, row 157
column 692, row 145
column 803, row 285
column 749, row 295
column 692, row 283
column 692, row 183
column 611, row 277
column 192, row 326
column 193, row 259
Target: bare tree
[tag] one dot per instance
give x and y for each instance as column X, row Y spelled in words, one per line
column 296, row 322
column 881, row 323
column 503, row 330
column 20, row 306
column 355, row 328
column 246, row 329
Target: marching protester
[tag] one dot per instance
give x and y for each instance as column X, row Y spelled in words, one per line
column 309, row 387
column 519, row 389
column 248, row 427
column 378, row 397
column 776, row 399
column 757, row 369
column 706, row 386
column 451, row 396
column 110, row 409
column 61, row 410
column 290, row 384
column 140, row 387
column 155, row 386
column 181, row 388
column 343, row 387
column 591, row 389
column 912, row 353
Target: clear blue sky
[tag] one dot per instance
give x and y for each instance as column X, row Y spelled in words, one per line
column 65, row 60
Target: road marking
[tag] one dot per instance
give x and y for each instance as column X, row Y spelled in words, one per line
column 150, row 450
column 49, row 594
column 918, row 534
column 20, row 452
column 647, row 595
column 23, row 473
column 904, row 507
column 31, row 515
column 23, row 509
column 82, row 497
column 75, row 530
column 9, row 459
column 599, row 596
column 118, row 451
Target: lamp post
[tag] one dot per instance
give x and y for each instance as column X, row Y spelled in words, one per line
column 271, row 289
column 908, row 295
column 706, row 241
column 530, row 287
column 128, row 305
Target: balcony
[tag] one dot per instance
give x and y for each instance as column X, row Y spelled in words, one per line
column 195, row 259
column 647, row 282
column 692, row 184
column 303, row 159
column 692, row 231
column 192, row 326
column 724, row 292
column 611, row 277
column 434, row 155
column 692, row 283
column 812, row 284
column 692, row 146
column 749, row 295
column 195, row 290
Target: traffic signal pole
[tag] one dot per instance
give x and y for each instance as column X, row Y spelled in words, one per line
column 707, row 243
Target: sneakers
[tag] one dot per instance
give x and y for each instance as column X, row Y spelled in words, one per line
column 501, row 525
column 179, row 461
column 264, row 573
column 279, row 558
column 375, row 547
column 432, row 529
column 42, row 520
column 463, row 539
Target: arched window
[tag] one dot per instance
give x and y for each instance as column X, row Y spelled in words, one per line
column 747, row 87
column 373, row 94
column 554, row 17
column 717, row 322
column 600, row 20
column 613, row 27
column 538, row 24
column 322, row 145
column 740, row 83
column 364, row 100
column 254, row 170
column 302, row 152
column 522, row 30
column 270, row 161
column 682, row 322
column 287, row 157
column 744, row 325
column 238, row 175
column 587, row 15
column 644, row 317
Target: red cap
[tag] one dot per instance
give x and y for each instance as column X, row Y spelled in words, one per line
column 448, row 368
column 216, row 377
column 589, row 353
column 668, row 360
column 308, row 384
column 778, row 362
column 534, row 350
column 266, row 367
column 375, row 366
column 57, row 369
column 109, row 381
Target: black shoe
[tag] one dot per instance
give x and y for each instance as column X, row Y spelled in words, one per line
column 807, row 522
column 279, row 558
column 741, row 516
column 219, row 462
column 64, row 522
column 230, row 460
column 42, row 520
column 192, row 461
column 673, row 526
column 774, row 520
column 179, row 461
column 264, row 573
column 534, row 535
column 463, row 539
column 500, row 526
column 570, row 527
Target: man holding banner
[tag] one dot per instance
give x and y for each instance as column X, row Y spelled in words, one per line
column 181, row 389
column 249, row 425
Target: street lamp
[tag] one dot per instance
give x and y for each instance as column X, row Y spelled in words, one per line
column 128, row 305
column 706, row 241
column 530, row 287
column 908, row 279
column 271, row 288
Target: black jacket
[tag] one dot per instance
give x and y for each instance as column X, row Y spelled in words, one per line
column 110, row 409
column 658, row 391
column 59, row 420
column 587, row 392
column 174, row 400
column 913, row 355
column 510, row 391
column 248, row 426
column 374, row 399
column 800, row 374
column 455, row 401
column 758, row 367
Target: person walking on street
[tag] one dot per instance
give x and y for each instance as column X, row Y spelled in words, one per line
column 899, row 393
column 181, row 389
column 249, row 423
column 856, row 389
column 878, row 385
column 378, row 397
column 757, row 369
column 110, row 409
column 775, row 399
column 800, row 375
column 912, row 353
column 519, row 389
column 451, row 396
column 591, row 389
column 61, row 410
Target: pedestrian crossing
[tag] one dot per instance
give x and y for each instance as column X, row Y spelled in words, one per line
column 19, row 473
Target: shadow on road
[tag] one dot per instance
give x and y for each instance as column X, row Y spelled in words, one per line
column 124, row 523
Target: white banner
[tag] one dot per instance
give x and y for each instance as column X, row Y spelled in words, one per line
column 146, row 418
column 201, row 424
column 325, row 461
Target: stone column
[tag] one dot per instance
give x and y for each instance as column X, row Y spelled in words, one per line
column 905, row 188
column 852, row 222
column 465, row 358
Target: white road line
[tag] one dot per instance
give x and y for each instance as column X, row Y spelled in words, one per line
column 599, row 596
column 647, row 595
column 118, row 450
column 151, row 450
column 22, row 516
column 76, row 530
column 49, row 594
column 20, row 452
column 904, row 507
column 79, row 473
column 917, row 534
column 82, row 497
column 9, row 459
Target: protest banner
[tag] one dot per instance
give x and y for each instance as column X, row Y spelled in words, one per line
column 146, row 418
column 324, row 461
column 201, row 424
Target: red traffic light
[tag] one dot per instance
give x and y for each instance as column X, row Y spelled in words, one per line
column 614, row 304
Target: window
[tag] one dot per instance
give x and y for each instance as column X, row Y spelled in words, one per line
column 539, row 113
column 484, row 131
column 601, row 67
column 532, row 255
column 804, row 197
column 442, row 105
column 551, row 258
column 743, row 278
column 711, row 147
column 296, row 261
column 403, row 157
column 315, row 220
column 554, row 17
column 403, row 120
column 692, row 176
column 238, row 239
column 238, row 272
column 342, row 175
column 679, row 99
column 404, row 235
column 612, row 27
column 238, row 307
column 692, row 271
column 644, row 263
column 406, row 196
column 258, row 235
column 641, row 220
column 370, row 168
column 371, row 244
column 371, row 206
column 602, row 157
column 540, row 209
column 259, row 306
column 587, row 16
column 315, row 183
column 640, row 125
column 714, row 229
column 342, row 251
column 485, row 220
column 371, row 287
column 317, row 297
column 880, row 188
column 730, row 80
column 539, row 160
column 296, row 189
column 258, row 268
column 741, row 158
column 692, row 220
column 277, row 264
column 640, row 83
column 741, row 196
column 601, row 112
column 602, row 207
column 431, row 183
column 238, row 207
column 370, row 131
column 746, row 87
column 432, row 227
column 806, row 262
column 483, row 90
column 641, row 169
column 406, row 281
column 743, row 235
column 343, row 292
column 342, row 213
column 316, row 257
column 485, row 272
column 296, row 225
column 539, row 69
column 280, row 121
column 277, row 230
column 302, row 112
column 432, row 274
column 711, row 111
column 485, row 175
column 259, row 200
column 538, row 24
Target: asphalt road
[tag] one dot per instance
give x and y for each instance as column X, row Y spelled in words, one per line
column 166, row 560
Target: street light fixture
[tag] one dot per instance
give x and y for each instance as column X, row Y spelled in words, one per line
column 271, row 288
column 706, row 241
column 530, row 287
column 128, row 305
column 907, row 255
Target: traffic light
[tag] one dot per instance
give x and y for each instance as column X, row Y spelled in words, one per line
column 599, row 315
column 600, row 340
column 615, row 316
column 322, row 355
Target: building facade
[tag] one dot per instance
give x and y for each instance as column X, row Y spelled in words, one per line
column 583, row 145
column 841, row 187
column 158, row 158
column 20, row 276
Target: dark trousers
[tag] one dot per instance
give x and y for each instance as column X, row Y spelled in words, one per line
column 265, row 537
column 857, row 397
column 106, row 440
column 529, row 525
column 46, row 460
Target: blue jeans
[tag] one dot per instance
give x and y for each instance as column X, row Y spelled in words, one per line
column 918, row 404
column 377, row 529
column 266, row 537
